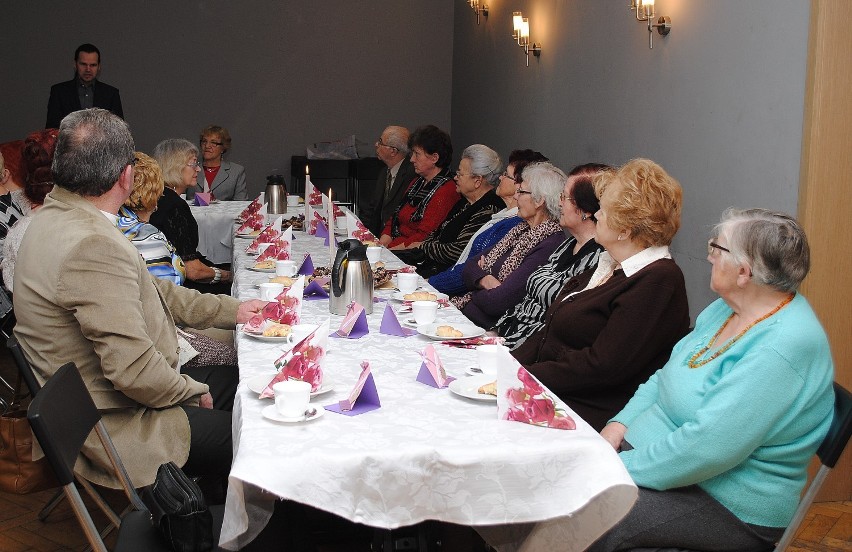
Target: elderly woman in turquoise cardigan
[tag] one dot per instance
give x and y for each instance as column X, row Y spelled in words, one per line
column 719, row 439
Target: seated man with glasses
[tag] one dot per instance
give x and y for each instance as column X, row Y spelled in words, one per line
column 393, row 180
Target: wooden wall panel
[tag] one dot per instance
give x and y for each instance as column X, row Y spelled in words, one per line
column 825, row 202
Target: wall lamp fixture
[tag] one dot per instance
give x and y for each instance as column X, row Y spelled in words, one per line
column 645, row 12
column 521, row 33
column 478, row 8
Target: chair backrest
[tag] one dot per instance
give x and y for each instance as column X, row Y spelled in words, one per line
column 841, row 428
column 62, row 415
column 828, row 453
column 24, row 367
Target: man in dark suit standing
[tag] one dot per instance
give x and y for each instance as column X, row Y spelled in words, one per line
column 393, row 179
column 84, row 90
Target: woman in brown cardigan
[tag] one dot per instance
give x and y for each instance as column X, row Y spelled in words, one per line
column 608, row 330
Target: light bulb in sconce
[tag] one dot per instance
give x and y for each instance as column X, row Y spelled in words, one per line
column 524, row 32
column 517, row 19
column 645, row 11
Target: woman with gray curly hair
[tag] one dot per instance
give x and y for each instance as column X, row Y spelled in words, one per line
column 495, row 281
column 476, row 181
column 719, row 439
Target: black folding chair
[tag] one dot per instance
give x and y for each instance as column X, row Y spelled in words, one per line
column 62, row 436
column 829, row 452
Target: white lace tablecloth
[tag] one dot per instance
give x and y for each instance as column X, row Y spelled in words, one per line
column 426, row 454
column 216, row 228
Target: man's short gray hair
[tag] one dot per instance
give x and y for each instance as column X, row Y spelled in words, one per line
column 398, row 138
column 484, row 162
column 92, row 149
column 546, row 181
column 772, row 244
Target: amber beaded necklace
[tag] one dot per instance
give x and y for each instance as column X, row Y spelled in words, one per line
column 692, row 361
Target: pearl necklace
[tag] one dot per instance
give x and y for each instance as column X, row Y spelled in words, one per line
column 692, row 361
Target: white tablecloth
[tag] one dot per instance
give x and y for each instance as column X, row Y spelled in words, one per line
column 216, row 228
column 426, row 454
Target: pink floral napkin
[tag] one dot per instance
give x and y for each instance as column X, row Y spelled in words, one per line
column 280, row 248
column 252, row 208
column 356, row 229
column 267, row 235
column 521, row 398
column 303, row 362
column 287, row 307
column 474, row 342
column 253, row 223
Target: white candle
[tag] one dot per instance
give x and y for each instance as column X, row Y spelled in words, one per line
column 331, row 251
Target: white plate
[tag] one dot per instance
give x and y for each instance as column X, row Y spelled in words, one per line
column 400, row 296
column 247, row 236
column 467, row 387
column 268, row 338
column 410, row 323
column 473, row 371
column 257, row 383
column 271, row 413
column 267, row 270
column 467, row 330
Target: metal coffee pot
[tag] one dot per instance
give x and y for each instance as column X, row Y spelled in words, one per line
column 276, row 195
column 351, row 278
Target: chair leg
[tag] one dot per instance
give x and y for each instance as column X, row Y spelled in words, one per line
column 109, row 512
column 51, row 504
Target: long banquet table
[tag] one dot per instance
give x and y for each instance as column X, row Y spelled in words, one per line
column 425, row 454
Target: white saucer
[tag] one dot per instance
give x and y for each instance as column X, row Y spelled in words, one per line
column 469, row 388
column 410, row 323
column 271, row 413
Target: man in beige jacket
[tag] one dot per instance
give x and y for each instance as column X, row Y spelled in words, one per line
column 84, row 294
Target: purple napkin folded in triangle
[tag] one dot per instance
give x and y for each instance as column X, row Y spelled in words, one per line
column 329, row 238
column 202, row 198
column 432, row 370
column 366, row 396
column 307, row 267
column 314, row 291
column 391, row 326
column 322, row 231
column 353, row 330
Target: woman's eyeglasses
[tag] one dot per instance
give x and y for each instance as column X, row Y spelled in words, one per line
column 712, row 247
column 193, row 164
column 506, row 175
column 563, row 197
column 211, row 143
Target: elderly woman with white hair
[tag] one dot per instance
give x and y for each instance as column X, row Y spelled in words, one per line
column 495, row 280
column 719, row 439
column 178, row 160
column 476, row 181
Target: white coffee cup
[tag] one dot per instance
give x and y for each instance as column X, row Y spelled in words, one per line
column 300, row 331
column 374, row 253
column 292, row 397
column 489, row 358
column 292, row 200
column 424, row 312
column 286, row 268
column 407, row 281
column 270, row 290
column 261, row 247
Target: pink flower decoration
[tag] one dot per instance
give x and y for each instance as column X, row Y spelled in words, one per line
column 531, row 386
column 279, row 250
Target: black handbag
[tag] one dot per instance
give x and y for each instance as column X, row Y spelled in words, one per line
column 178, row 509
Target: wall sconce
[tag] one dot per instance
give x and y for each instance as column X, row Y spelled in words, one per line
column 478, row 8
column 645, row 12
column 521, row 33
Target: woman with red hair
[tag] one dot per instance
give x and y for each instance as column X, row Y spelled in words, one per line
column 37, row 155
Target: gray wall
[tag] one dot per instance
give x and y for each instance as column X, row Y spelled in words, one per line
column 718, row 103
column 278, row 75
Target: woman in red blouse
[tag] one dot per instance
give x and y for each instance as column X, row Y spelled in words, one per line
column 430, row 196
